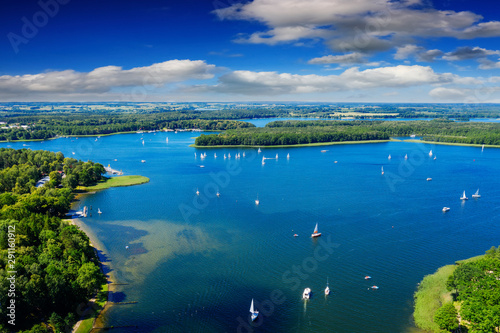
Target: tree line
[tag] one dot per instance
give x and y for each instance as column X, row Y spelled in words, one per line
column 56, row 268
column 300, row 132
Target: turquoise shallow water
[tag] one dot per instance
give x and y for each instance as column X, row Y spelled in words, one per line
column 194, row 263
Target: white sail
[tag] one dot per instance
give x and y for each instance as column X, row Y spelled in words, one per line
column 316, row 229
column 430, row 153
column 251, row 307
column 382, row 170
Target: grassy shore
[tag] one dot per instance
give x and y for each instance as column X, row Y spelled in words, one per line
column 431, row 295
column 116, row 182
column 293, row 146
column 452, row 143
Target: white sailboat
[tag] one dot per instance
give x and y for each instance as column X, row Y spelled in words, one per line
column 99, row 211
column 254, row 312
column 217, row 194
column 243, row 154
column 167, row 139
column 445, row 209
column 327, row 289
column 225, row 156
column 482, row 148
column 430, row 153
column 197, row 192
column 464, row 197
column 257, row 202
column 215, row 155
column 476, row 195
column 259, row 151
column 276, row 156
column 389, row 157
column 288, row 156
column 382, row 170
column 316, row 233
column 406, row 156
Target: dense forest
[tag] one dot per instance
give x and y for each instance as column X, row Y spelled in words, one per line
column 55, row 267
column 45, row 126
column 300, row 132
column 476, row 285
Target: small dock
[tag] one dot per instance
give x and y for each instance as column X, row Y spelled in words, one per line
column 113, row 171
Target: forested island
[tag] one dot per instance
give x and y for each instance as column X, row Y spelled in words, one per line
column 309, row 132
column 48, row 266
column 465, row 295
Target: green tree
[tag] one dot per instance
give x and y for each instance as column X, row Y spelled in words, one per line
column 446, row 317
column 90, row 277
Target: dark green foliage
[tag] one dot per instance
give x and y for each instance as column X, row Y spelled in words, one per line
column 300, row 132
column 446, row 317
column 45, row 125
column 477, row 284
column 55, row 264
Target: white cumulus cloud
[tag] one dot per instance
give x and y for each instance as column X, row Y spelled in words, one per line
column 352, row 79
column 103, row 79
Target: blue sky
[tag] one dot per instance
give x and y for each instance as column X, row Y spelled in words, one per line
column 260, row 50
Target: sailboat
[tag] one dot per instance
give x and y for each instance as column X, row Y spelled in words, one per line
column 215, row 155
column 406, row 156
column 99, row 211
column 464, row 197
column 430, row 153
column 276, row 156
column 316, row 233
column 288, row 156
column 389, row 157
column 259, row 151
column 382, row 170
column 167, row 139
column 257, row 202
column 476, row 195
column 327, row 289
column 482, row 148
column 254, row 312
column 243, row 154
column 197, row 192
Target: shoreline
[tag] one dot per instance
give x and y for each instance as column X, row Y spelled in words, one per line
column 105, row 265
column 452, row 143
column 316, row 144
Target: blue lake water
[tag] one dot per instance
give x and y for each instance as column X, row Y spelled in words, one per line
column 195, row 262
